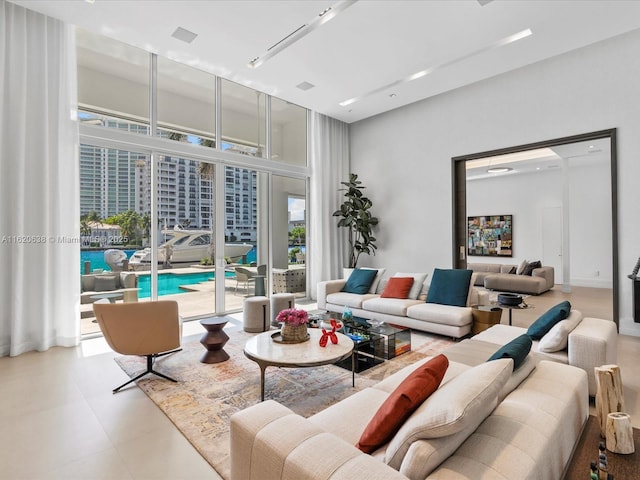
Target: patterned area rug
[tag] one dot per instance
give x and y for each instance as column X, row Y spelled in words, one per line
column 205, row 396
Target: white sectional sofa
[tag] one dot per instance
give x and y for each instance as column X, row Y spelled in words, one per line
column 482, row 422
column 109, row 282
column 452, row 321
column 495, row 276
column 583, row 342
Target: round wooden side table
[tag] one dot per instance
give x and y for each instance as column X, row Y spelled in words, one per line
column 484, row 316
column 214, row 340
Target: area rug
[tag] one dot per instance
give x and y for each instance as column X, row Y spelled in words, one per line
column 206, row 396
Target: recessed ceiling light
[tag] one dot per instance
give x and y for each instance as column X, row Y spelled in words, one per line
column 392, row 95
column 499, row 170
column 184, row 35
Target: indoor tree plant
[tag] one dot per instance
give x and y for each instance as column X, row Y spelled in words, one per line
column 355, row 215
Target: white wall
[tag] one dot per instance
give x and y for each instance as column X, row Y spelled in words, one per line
column 404, row 156
column 526, row 196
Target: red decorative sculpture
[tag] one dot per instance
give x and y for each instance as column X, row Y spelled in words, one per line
column 324, row 339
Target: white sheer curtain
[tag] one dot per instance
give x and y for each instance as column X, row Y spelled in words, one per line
column 329, row 167
column 39, row 189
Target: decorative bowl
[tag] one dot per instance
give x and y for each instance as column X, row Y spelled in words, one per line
column 511, row 299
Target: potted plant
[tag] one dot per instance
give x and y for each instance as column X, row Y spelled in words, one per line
column 355, row 215
column 294, row 325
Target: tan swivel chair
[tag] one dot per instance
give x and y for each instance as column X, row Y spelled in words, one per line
column 151, row 329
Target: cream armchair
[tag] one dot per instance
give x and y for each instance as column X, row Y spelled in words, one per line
column 151, row 329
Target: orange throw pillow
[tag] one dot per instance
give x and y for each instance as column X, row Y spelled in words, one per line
column 402, row 402
column 397, row 287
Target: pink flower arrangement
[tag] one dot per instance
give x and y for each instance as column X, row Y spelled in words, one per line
column 293, row 317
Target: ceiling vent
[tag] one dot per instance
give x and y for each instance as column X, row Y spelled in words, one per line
column 305, row 86
column 184, row 35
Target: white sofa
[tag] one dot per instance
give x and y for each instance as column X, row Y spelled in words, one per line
column 446, row 320
column 495, row 276
column 109, row 282
column 494, row 424
column 583, row 342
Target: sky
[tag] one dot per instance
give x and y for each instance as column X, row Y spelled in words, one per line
column 296, row 207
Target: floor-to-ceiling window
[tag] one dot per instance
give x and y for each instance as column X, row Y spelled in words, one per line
column 196, row 208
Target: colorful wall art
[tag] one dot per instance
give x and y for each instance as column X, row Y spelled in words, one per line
column 490, row 236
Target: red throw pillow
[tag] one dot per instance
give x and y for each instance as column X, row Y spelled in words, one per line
column 402, row 402
column 397, row 287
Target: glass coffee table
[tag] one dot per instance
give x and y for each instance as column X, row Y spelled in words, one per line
column 376, row 342
column 263, row 350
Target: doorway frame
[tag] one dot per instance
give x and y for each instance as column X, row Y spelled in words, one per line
column 459, row 198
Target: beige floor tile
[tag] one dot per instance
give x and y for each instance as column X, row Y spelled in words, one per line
column 105, row 465
column 164, row 456
column 59, row 419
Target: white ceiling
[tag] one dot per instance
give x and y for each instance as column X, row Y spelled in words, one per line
column 532, row 162
column 369, row 45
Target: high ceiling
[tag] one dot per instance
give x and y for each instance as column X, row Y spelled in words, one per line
column 367, row 52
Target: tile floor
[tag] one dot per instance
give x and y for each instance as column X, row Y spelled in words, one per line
column 59, row 419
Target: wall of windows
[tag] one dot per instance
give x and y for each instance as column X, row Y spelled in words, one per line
column 151, row 147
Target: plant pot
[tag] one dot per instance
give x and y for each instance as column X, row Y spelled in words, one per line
column 294, row 333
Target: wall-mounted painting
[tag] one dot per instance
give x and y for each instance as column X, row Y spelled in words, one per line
column 490, row 236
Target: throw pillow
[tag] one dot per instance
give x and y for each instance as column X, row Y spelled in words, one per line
column 548, row 319
column 512, row 270
column 397, row 287
column 359, row 281
column 528, row 270
column 105, row 283
column 418, row 280
column 376, row 281
column 449, row 287
column 521, row 267
column 557, row 338
column 402, row 402
column 517, row 349
column 461, row 404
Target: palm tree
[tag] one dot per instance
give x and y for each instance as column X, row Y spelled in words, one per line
column 298, row 233
column 92, row 217
column 145, row 225
column 207, row 171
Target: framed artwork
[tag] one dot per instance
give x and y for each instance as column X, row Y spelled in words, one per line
column 490, row 236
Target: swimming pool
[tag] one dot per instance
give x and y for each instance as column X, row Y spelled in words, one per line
column 96, row 257
column 169, row 283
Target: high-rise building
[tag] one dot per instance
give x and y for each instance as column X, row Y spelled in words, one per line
column 113, row 181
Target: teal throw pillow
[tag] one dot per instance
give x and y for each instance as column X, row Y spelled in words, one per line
column 449, row 287
column 517, row 349
column 548, row 319
column 359, row 281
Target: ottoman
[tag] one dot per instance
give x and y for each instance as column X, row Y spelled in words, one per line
column 256, row 314
column 279, row 302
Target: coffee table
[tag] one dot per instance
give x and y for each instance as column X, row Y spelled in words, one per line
column 586, row 451
column 263, row 350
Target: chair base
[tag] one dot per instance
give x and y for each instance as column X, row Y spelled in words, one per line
column 150, row 369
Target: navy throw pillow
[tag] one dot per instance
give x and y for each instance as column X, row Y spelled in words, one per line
column 517, row 349
column 360, row 281
column 449, row 287
column 548, row 319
